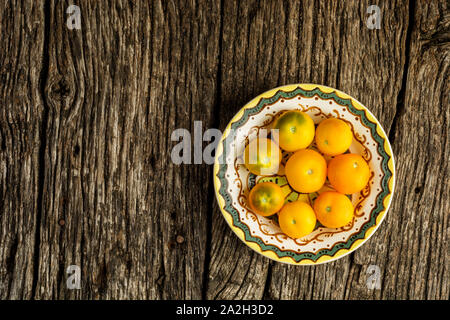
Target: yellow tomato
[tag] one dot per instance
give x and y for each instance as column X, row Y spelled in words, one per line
column 348, row 173
column 266, row 198
column 333, row 209
column 333, row 136
column 306, row 171
column 297, row 219
column 296, row 130
column 262, row 157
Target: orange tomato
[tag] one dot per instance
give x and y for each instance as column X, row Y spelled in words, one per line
column 333, row 136
column 262, row 157
column 348, row 173
column 296, row 130
column 297, row 219
column 266, row 198
column 306, row 171
column 333, row 209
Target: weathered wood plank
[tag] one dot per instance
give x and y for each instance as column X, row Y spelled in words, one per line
column 411, row 248
column 85, row 171
column 266, row 44
column 21, row 109
column 114, row 202
column 254, row 58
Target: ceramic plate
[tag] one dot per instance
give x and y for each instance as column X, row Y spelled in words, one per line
column 232, row 181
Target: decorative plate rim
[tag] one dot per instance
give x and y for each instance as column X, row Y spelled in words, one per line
column 383, row 200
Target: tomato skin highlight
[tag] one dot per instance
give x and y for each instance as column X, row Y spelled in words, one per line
column 266, row 198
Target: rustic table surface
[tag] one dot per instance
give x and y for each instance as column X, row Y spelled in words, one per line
column 86, row 117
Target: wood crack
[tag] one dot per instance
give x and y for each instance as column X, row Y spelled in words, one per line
column 400, row 108
column 216, row 124
column 43, row 146
column 266, row 294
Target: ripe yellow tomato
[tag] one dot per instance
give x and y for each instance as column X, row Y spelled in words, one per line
column 296, row 130
column 266, row 198
column 333, row 209
column 348, row 173
column 333, row 136
column 297, row 219
column 262, row 157
column 306, row 171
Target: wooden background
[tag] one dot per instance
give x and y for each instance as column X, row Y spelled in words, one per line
column 86, row 118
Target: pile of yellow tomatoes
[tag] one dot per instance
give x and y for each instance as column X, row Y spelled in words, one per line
column 306, row 171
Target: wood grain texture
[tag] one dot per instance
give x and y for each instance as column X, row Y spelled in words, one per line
column 411, row 248
column 86, row 118
column 267, row 44
column 114, row 202
column 21, row 110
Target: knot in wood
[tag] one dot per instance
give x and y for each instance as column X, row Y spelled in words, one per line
column 60, row 90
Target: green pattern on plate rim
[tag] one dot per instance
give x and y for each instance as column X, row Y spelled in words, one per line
column 297, row 257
